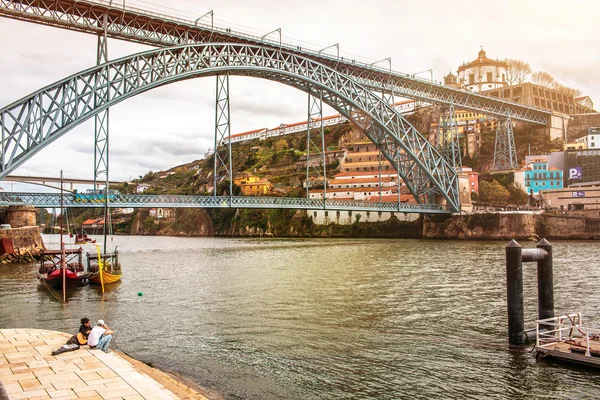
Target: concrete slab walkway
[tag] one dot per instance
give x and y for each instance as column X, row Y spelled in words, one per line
column 29, row 371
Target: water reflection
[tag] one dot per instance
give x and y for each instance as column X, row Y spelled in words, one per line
column 304, row 318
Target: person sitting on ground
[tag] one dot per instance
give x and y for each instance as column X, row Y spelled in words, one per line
column 84, row 330
column 100, row 337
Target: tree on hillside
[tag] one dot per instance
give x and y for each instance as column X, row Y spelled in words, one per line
column 566, row 90
column 493, row 193
column 518, row 196
column 279, row 145
column 542, row 78
column 517, row 71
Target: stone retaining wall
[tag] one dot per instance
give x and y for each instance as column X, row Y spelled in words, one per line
column 21, row 243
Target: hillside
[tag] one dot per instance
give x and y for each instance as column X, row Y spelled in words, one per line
column 282, row 161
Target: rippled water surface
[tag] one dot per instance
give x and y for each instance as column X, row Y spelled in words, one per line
column 316, row 319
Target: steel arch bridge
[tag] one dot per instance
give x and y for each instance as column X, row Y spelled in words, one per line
column 32, row 123
column 101, row 17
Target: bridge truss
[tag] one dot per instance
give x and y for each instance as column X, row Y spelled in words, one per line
column 101, row 18
column 53, row 200
column 35, row 121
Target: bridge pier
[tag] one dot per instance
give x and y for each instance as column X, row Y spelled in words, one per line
column 315, row 121
column 222, row 161
column 448, row 143
column 101, row 119
column 505, row 155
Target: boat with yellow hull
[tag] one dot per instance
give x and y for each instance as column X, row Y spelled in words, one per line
column 103, row 268
column 107, row 277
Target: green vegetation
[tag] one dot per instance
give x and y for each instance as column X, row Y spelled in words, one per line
column 493, row 193
column 500, row 190
column 542, row 228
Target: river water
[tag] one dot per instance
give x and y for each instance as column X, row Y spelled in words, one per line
column 317, row 319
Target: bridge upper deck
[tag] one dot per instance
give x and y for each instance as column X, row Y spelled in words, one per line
column 149, row 28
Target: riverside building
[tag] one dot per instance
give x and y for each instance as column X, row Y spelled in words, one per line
column 538, row 176
column 363, row 177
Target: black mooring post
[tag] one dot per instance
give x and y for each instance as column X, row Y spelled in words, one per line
column 545, row 284
column 514, row 294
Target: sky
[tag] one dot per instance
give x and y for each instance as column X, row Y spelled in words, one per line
column 173, row 125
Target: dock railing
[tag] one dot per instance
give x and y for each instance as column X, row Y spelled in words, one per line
column 564, row 328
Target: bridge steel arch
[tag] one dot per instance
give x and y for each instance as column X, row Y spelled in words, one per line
column 30, row 124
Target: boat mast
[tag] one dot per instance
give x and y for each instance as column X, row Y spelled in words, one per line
column 63, row 264
column 106, row 214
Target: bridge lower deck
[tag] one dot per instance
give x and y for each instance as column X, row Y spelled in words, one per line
column 54, row 200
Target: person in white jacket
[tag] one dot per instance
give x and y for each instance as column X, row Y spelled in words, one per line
column 100, row 337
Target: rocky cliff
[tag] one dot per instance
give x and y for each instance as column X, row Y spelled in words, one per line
column 513, row 226
column 183, row 222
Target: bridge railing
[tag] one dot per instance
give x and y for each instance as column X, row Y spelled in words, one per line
column 53, row 200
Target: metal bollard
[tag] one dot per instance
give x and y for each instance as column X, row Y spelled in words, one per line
column 515, row 257
column 545, row 282
column 514, row 293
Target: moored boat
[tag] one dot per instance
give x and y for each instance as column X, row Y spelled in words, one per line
column 82, row 238
column 104, row 268
column 51, row 269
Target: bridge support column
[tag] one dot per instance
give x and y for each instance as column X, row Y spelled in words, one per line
column 505, row 155
column 101, row 119
column 449, row 144
column 222, row 164
column 388, row 98
column 315, row 122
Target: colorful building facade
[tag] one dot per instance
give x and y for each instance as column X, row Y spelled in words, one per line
column 537, row 176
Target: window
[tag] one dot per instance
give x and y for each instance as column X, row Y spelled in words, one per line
column 327, row 213
column 349, row 213
column 471, row 79
column 489, row 77
column 315, row 214
column 503, row 78
column 337, row 214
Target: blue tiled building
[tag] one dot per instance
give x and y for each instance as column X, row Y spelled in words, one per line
column 539, row 177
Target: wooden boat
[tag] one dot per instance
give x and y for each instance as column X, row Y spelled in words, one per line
column 104, row 268
column 51, row 271
column 82, row 238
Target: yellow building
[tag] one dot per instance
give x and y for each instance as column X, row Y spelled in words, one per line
column 252, row 185
column 576, row 146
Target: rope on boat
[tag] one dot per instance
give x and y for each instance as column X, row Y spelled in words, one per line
column 51, row 290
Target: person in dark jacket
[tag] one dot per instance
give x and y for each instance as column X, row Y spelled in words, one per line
column 84, row 329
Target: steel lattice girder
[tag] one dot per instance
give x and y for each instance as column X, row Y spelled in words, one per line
column 145, row 27
column 64, row 104
column 53, row 200
column 505, row 154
